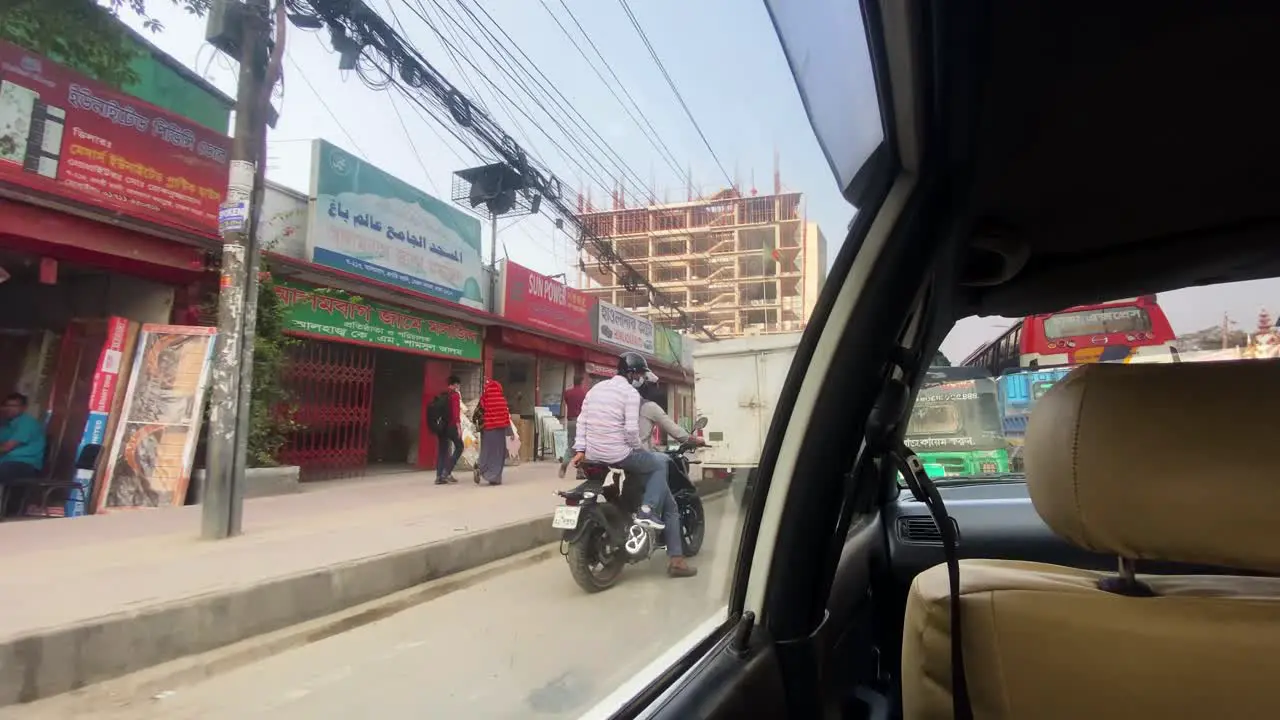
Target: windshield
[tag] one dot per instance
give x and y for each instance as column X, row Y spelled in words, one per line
column 1097, row 322
column 955, row 425
column 935, row 434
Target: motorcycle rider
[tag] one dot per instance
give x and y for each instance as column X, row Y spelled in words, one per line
column 608, row 432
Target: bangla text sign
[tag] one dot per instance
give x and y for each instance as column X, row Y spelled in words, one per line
column 69, row 136
column 619, row 327
column 366, row 222
column 538, row 301
column 314, row 314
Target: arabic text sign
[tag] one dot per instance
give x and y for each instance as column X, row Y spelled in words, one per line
column 538, row 301
column 315, row 314
column 64, row 134
column 619, row 327
column 366, row 222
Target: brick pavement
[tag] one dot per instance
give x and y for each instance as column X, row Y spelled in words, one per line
column 70, row 571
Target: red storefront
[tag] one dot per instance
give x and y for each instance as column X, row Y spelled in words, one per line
column 556, row 341
column 363, row 400
column 108, row 209
column 94, row 182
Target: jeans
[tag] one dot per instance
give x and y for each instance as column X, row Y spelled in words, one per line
column 448, row 450
column 11, row 474
column 653, row 467
column 571, row 428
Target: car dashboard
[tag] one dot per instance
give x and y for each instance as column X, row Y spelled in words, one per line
column 993, row 520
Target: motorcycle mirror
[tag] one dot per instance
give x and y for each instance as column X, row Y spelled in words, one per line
column 701, row 423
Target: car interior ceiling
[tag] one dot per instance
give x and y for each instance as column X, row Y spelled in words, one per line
column 1072, row 153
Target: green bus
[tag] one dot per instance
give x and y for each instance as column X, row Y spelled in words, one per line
column 955, row 424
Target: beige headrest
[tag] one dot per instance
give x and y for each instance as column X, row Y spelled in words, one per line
column 1164, row 462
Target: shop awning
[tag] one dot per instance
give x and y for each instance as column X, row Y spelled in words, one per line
column 70, row 238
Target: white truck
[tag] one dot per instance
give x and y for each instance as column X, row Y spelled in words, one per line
column 737, row 383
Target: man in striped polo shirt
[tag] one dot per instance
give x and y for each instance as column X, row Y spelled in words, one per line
column 608, row 432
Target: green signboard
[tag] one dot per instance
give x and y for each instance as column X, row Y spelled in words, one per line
column 369, row 223
column 312, row 314
column 667, row 345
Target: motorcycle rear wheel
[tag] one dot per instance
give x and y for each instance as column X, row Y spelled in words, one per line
column 693, row 524
column 585, row 554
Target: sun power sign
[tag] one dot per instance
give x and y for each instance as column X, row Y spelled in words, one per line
column 615, row 326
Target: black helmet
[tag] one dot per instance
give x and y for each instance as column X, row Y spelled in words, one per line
column 651, row 390
column 632, row 363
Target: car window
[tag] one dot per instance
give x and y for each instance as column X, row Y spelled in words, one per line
column 979, row 435
column 473, row 209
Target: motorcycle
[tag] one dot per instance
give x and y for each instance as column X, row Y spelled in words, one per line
column 601, row 536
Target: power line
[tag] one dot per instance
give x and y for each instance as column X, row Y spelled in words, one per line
column 360, row 30
column 563, row 153
column 458, row 47
column 567, row 107
column 409, row 136
column 325, row 105
column 667, row 156
column 629, row 175
column 654, row 54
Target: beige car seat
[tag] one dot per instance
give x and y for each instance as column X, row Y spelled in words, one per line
column 1145, row 462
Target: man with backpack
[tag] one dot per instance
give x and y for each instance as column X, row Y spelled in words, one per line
column 444, row 418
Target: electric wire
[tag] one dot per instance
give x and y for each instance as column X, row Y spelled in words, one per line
column 564, row 153
column 350, row 138
column 672, row 83
column 356, row 22
column 412, row 145
column 628, row 173
column 563, row 104
column 656, row 140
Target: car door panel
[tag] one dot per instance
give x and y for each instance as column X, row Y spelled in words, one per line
column 730, row 683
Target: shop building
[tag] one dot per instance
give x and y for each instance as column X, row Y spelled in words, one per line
column 108, row 221
column 560, row 332
column 361, row 375
column 384, row 291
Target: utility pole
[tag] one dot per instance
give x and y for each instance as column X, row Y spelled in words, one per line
column 247, row 25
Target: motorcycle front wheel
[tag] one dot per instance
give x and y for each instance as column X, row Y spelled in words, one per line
column 693, row 524
column 591, row 563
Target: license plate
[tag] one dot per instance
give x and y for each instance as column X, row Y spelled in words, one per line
column 566, row 518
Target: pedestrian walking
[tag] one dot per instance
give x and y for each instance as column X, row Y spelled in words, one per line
column 444, row 419
column 493, row 417
column 570, row 409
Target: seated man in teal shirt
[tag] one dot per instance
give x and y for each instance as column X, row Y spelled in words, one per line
column 21, row 441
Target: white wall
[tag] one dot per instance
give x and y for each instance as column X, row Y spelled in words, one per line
column 282, row 226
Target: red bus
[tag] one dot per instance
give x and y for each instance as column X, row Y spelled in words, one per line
column 1115, row 331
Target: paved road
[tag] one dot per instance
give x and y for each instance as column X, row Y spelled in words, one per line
column 527, row 644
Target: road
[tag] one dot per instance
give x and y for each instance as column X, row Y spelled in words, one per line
column 525, row 644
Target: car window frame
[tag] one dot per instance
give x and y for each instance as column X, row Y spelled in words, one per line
column 883, row 186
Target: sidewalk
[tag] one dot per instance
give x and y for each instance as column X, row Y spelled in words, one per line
column 92, row 598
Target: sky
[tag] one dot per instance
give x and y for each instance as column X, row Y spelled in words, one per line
column 723, row 56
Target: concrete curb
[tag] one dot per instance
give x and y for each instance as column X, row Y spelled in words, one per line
column 154, row 682
column 60, row 660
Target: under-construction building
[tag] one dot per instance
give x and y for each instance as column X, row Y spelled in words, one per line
column 736, row 265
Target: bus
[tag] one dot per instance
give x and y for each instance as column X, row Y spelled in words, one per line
column 955, row 424
column 1117, row 331
column 1019, row 391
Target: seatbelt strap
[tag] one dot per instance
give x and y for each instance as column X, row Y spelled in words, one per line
column 925, row 491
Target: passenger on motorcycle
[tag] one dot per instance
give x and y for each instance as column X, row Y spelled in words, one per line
column 608, row 432
column 651, row 414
